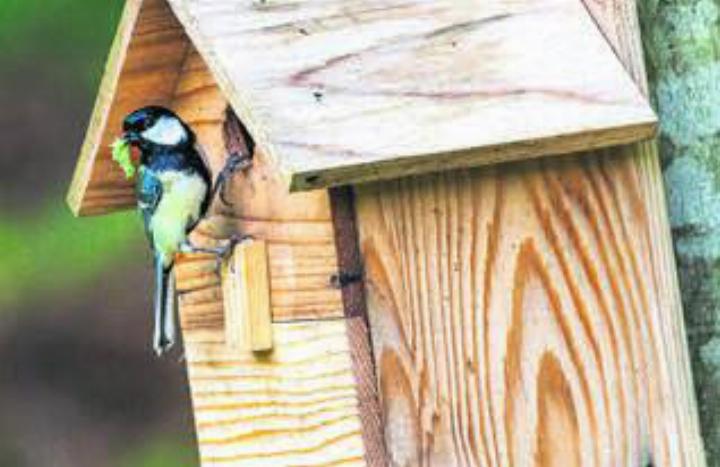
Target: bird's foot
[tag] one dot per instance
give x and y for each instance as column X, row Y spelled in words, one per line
column 188, row 247
column 224, row 252
column 221, row 253
column 234, row 163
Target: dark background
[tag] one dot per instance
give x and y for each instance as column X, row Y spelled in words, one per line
column 79, row 385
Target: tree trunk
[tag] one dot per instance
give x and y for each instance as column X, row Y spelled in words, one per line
column 682, row 47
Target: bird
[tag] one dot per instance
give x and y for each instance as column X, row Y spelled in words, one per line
column 174, row 190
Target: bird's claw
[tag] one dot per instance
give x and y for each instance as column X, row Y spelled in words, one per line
column 224, row 252
column 233, row 241
column 234, row 163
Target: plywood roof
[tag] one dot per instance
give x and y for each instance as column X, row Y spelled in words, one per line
column 342, row 91
column 346, row 91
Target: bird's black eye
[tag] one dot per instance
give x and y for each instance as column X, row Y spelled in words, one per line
column 146, row 123
column 144, row 119
column 138, row 121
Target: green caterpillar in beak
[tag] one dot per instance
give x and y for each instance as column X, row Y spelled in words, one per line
column 123, row 156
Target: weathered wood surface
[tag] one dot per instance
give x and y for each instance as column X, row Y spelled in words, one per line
column 246, row 298
column 143, row 68
column 527, row 314
column 297, row 405
column 312, row 399
column 345, row 91
column 350, row 265
column 681, row 45
column 370, row 413
column 591, row 109
column 350, row 280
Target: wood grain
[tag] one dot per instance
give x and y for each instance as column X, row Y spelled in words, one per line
column 246, row 298
column 150, row 46
column 142, row 69
column 619, row 23
column 311, row 400
column 515, row 309
column 297, row 405
column 296, row 227
column 346, row 91
column 528, row 314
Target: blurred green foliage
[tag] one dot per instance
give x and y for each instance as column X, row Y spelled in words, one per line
column 76, row 32
column 44, row 250
column 52, row 252
column 49, row 251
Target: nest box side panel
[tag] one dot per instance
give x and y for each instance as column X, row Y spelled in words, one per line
column 345, row 91
column 528, row 314
column 142, row 69
column 302, row 402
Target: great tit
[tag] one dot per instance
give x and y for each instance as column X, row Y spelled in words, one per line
column 174, row 190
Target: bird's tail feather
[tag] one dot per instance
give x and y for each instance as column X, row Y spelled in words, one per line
column 164, row 333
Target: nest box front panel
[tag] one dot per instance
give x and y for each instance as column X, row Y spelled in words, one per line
column 345, row 91
column 143, row 68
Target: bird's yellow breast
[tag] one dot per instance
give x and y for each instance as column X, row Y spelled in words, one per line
column 179, row 206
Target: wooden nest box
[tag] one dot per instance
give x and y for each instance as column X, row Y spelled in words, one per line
column 427, row 286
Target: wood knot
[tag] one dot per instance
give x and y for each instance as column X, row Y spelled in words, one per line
column 345, row 278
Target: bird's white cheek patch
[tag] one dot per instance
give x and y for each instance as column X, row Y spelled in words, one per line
column 166, row 131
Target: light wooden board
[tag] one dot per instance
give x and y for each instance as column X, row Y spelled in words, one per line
column 295, row 406
column 345, row 91
column 142, row 69
column 510, row 309
column 528, row 314
column 246, row 298
column 296, row 227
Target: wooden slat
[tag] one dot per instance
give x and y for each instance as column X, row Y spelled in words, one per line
column 351, row 281
column 369, row 411
column 528, row 314
column 142, row 69
column 295, row 406
column 350, row 267
column 345, row 91
column 246, row 298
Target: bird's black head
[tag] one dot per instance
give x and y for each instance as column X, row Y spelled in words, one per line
column 156, row 126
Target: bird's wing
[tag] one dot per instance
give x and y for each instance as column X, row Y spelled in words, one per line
column 149, row 192
column 203, row 155
column 204, row 171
